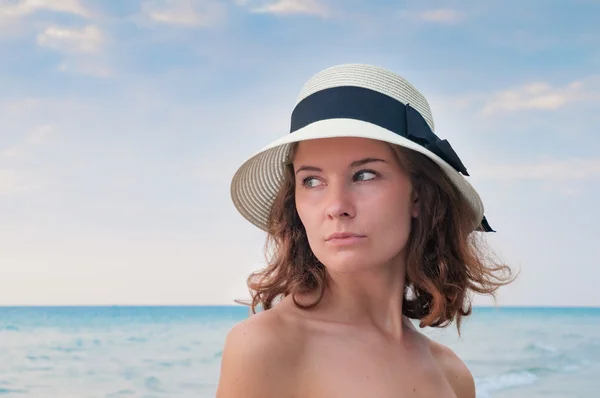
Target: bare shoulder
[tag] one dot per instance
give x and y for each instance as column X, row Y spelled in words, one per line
column 258, row 358
column 457, row 373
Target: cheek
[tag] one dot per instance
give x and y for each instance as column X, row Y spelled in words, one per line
column 390, row 216
column 394, row 227
column 396, row 231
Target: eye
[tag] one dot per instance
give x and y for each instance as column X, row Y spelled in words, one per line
column 310, row 182
column 365, row 175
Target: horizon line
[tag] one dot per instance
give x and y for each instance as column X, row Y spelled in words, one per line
column 244, row 305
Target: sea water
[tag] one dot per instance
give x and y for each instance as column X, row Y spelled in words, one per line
column 113, row 352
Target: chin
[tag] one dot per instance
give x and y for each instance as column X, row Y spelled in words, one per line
column 347, row 262
column 352, row 260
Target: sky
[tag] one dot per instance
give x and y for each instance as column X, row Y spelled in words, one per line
column 122, row 123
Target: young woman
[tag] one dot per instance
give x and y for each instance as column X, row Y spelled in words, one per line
column 371, row 224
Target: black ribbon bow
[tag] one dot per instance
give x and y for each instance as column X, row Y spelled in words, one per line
column 418, row 131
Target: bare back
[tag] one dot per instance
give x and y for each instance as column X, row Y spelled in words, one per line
column 287, row 352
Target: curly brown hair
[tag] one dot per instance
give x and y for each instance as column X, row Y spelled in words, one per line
column 444, row 259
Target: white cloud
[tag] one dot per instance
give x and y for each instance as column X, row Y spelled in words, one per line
column 22, row 150
column 13, row 12
column 14, row 182
column 540, row 96
column 445, row 16
column 191, row 13
column 441, row 16
column 87, row 40
column 287, row 7
column 551, row 170
column 39, row 135
column 20, row 8
column 82, row 49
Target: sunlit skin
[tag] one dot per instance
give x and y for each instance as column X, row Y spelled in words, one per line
column 356, row 342
column 357, row 185
column 353, row 185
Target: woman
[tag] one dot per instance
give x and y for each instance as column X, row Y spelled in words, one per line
column 371, row 225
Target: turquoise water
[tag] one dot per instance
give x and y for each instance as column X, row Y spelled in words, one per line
column 176, row 351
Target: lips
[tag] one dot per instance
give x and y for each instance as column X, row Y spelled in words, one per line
column 338, row 236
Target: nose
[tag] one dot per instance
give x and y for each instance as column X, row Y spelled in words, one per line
column 339, row 201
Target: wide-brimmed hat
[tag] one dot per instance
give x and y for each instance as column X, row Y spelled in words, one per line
column 351, row 100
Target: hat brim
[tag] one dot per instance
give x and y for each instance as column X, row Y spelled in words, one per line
column 255, row 184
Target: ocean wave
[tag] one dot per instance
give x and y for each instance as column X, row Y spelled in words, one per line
column 489, row 384
column 524, row 376
column 186, row 363
column 5, row 389
column 541, row 348
column 12, row 328
column 11, row 391
column 570, row 368
column 39, row 357
column 121, row 393
column 122, row 358
column 153, row 384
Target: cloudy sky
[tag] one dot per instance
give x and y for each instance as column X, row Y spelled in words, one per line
column 122, row 123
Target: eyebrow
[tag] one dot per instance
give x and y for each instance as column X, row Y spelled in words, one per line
column 355, row 163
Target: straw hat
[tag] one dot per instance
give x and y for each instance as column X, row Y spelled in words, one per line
column 351, row 100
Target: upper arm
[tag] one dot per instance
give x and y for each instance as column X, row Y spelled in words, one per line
column 255, row 362
column 458, row 375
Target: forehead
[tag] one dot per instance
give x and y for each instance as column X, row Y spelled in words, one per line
column 341, row 148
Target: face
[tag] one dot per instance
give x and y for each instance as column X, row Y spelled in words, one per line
column 355, row 202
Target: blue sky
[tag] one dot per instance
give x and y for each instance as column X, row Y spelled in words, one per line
column 123, row 122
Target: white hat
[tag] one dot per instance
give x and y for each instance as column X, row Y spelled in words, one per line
column 351, row 100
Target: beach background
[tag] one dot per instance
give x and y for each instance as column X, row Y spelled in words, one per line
column 114, row 352
column 122, row 123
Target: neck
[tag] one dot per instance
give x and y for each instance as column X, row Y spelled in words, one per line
column 368, row 298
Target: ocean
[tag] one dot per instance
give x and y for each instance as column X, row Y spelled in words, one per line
column 113, row 352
